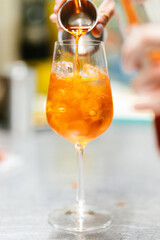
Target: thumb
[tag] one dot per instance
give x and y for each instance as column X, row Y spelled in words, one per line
column 105, row 12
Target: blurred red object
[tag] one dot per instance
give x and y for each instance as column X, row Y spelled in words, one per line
column 74, row 185
column 2, row 154
column 157, row 127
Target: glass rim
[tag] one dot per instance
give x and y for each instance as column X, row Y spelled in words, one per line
column 69, row 42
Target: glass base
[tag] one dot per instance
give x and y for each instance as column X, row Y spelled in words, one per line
column 80, row 219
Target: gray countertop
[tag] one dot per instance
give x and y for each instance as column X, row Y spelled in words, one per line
column 122, row 174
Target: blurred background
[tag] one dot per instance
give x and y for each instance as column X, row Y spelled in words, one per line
column 26, row 45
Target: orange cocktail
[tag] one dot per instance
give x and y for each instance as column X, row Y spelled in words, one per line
column 79, row 108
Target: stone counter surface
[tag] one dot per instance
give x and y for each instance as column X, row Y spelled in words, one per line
column 121, row 174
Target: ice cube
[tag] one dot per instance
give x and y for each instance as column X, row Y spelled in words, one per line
column 90, row 71
column 62, row 67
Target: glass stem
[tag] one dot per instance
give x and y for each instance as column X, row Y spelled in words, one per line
column 80, row 185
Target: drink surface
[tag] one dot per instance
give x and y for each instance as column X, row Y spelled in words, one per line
column 79, row 108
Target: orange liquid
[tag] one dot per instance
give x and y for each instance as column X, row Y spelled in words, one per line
column 78, row 108
column 77, row 3
column 77, row 32
column 80, row 21
column 77, row 29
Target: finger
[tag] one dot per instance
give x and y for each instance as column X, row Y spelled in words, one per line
column 59, row 26
column 97, row 30
column 105, row 12
column 53, row 17
column 140, row 41
column 148, row 79
column 58, row 4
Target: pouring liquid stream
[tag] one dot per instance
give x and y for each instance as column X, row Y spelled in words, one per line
column 153, row 56
column 78, row 24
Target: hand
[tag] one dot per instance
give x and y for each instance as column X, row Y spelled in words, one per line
column 105, row 12
column 137, row 53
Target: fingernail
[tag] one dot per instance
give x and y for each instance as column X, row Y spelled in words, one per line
column 97, row 30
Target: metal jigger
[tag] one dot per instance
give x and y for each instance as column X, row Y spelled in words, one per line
column 86, row 15
column 67, row 14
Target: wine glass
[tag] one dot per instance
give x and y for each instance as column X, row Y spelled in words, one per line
column 79, row 108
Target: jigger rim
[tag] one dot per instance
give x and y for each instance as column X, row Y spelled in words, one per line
column 59, row 14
